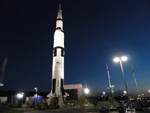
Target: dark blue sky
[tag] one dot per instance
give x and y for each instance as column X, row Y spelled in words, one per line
column 95, row 32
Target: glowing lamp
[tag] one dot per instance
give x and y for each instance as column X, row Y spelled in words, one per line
column 124, row 58
column 124, row 92
column 116, row 59
column 20, row 95
column 86, row 90
column 104, row 93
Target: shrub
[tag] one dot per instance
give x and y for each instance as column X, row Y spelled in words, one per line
column 41, row 103
column 66, row 102
column 81, row 102
column 94, row 101
column 32, row 105
column 46, row 104
column 54, row 102
column 110, row 99
column 15, row 104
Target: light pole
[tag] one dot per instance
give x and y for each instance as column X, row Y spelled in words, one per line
column 20, row 95
column 104, row 94
column 118, row 59
column 12, row 99
column 36, row 92
column 124, row 92
column 86, row 91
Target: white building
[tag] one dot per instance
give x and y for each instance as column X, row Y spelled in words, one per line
column 74, row 91
column 3, row 99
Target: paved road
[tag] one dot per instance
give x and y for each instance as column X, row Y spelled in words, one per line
column 63, row 110
column 146, row 110
column 76, row 110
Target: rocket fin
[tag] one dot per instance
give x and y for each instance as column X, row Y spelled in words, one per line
column 62, row 88
column 54, row 85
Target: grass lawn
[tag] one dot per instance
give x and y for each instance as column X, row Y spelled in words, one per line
column 9, row 110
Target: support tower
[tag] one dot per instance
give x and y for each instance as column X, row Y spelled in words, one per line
column 2, row 71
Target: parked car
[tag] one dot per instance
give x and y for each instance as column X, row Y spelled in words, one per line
column 120, row 108
column 113, row 110
column 104, row 109
column 138, row 109
column 130, row 110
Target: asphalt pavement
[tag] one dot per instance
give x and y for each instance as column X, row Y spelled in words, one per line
column 145, row 110
column 61, row 110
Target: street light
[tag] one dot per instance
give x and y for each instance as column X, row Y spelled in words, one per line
column 149, row 91
column 120, row 59
column 124, row 93
column 36, row 92
column 86, row 90
column 104, row 93
column 20, row 95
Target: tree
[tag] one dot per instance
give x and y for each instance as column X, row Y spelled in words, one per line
column 15, row 104
column 81, row 102
column 110, row 99
column 75, row 102
column 46, row 104
column 94, row 101
column 55, row 102
column 32, row 104
column 66, row 102
column 40, row 103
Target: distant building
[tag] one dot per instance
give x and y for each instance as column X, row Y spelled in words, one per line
column 28, row 100
column 74, row 91
column 3, row 99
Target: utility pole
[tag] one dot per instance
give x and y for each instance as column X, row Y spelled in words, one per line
column 135, row 78
column 110, row 86
column 2, row 70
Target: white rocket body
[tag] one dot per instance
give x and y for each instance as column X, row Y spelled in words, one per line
column 58, row 58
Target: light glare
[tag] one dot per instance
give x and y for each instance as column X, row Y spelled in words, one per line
column 124, row 92
column 124, row 58
column 19, row 95
column 116, row 59
column 86, row 90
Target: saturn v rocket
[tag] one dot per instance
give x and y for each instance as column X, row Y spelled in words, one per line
column 58, row 58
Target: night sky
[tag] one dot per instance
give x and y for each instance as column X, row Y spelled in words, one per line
column 96, row 31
